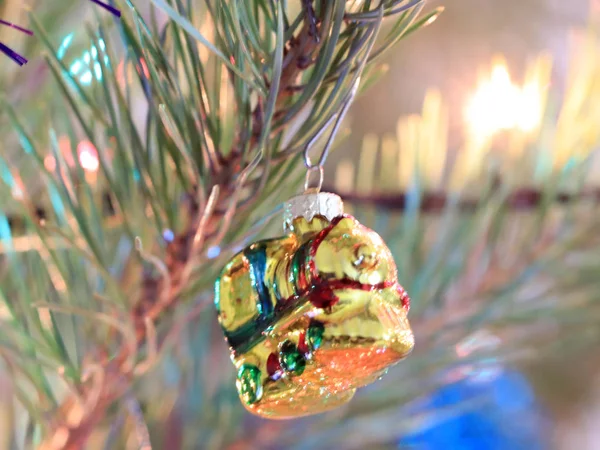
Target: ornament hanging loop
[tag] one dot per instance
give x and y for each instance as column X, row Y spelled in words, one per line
column 314, row 180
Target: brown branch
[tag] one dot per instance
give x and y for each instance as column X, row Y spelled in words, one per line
column 299, row 51
column 298, row 57
column 522, row 199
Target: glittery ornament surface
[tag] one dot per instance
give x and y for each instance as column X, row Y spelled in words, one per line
column 312, row 316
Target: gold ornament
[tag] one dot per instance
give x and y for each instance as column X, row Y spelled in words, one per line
column 314, row 315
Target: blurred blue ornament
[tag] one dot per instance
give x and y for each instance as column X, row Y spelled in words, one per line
column 213, row 252
column 495, row 412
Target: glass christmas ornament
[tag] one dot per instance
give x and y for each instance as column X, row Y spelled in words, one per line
column 313, row 315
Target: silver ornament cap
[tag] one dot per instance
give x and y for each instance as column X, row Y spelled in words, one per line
column 309, row 205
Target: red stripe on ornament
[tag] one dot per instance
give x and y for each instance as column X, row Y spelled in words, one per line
column 322, row 295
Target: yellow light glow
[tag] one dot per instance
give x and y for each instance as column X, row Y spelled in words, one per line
column 499, row 104
column 88, row 156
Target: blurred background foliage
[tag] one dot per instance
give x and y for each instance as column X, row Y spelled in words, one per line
column 449, row 57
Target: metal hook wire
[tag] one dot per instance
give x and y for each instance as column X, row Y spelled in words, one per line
column 309, row 184
column 338, row 121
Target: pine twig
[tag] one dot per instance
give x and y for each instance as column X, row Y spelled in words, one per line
column 323, row 49
column 522, row 199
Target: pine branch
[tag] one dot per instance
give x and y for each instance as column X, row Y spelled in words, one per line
column 195, row 143
column 522, row 199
